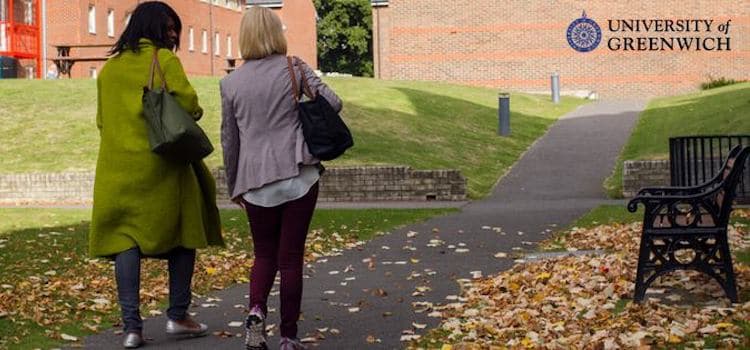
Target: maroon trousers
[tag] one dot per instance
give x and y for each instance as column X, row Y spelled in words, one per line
column 279, row 235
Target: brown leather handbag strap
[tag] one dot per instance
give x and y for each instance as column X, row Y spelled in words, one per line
column 305, row 85
column 295, row 87
column 156, row 66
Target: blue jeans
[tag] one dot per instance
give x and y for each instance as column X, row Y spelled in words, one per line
column 128, row 275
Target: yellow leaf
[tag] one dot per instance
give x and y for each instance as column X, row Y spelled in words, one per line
column 446, row 347
column 210, row 270
column 544, row 276
column 674, row 339
column 538, row 297
column 724, row 325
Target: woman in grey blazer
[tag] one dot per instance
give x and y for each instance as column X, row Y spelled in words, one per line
column 270, row 172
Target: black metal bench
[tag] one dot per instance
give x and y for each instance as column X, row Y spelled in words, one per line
column 686, row 228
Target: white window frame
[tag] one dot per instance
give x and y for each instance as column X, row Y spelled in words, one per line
column 191, row 39
column 93, row 73
column 92, row 19
column 217, row 44
column 229, row 45
column 4, row 42
column 28, row 13
column 127, row 19
column 111, row 23
column 204, row 41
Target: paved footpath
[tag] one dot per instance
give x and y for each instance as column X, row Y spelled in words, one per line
column 557, row 180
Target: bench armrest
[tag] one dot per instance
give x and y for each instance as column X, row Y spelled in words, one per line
column 677, row 211
column 669, row 190
column 671, row 199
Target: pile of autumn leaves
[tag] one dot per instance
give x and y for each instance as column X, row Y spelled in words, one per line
column 83, row 292
column 585, row 302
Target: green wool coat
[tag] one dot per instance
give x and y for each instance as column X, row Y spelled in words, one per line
column 140, row 198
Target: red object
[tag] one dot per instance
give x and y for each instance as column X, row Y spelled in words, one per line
column 21, row 28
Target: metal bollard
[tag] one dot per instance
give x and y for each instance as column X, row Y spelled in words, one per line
column 503, row 114
column 555, row 88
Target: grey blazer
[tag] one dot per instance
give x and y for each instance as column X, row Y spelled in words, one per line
column 260, row 132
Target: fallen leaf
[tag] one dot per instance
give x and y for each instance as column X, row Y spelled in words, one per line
column 68, row 337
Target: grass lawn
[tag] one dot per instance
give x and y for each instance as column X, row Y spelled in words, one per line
column 721, row 111
column 16, row 219
column 607, row 214
column 49, row 287
column 420, row 124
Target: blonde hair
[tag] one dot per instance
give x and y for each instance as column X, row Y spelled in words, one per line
column 261, row 34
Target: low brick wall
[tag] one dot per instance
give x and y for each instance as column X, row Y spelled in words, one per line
column 643, row 173
column 392, row 183
column 73, row 187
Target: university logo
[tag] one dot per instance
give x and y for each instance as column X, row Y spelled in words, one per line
column 584, row 34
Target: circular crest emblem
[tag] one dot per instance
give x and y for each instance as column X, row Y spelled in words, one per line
column 584, row 34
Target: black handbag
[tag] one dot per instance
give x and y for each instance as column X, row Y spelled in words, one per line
column 326, row 135
column 172, row 131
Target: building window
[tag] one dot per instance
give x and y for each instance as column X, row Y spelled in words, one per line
column 204, row 41
column 92, row 19
column 3, row 38
column 229, row 46
column 111, row 23
column 217, row 44
column 28, row 12
column 92, row 72
column 191, row 39
column 267, row 3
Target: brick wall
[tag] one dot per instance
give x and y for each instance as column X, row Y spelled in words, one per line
column 47, row 187
column 517, row 45
column 68, row 23
column 337, row 185
column 637, row 174
column 392, row 183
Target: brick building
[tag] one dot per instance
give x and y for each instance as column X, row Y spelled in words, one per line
column 209, row 32
column 517, row 45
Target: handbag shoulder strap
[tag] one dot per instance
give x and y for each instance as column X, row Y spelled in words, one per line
column 155, row 66
column 295, row 87
column 305, row 86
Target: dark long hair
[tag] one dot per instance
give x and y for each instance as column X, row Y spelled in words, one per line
column 150, row 21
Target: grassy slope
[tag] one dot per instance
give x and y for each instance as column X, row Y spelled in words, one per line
column 719, row 111
column 424, row 125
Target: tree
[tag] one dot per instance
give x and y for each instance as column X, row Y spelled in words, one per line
column 345, row 36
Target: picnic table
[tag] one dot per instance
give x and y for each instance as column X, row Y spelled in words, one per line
column 64, row 61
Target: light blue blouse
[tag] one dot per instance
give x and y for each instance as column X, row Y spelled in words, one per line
column 282, row 191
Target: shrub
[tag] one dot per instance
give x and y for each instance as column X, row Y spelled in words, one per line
column 713, row 83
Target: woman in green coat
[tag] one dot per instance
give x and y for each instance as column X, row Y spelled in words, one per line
column 146, row 205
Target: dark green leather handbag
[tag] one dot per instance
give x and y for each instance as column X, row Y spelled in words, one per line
column 172, row 131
